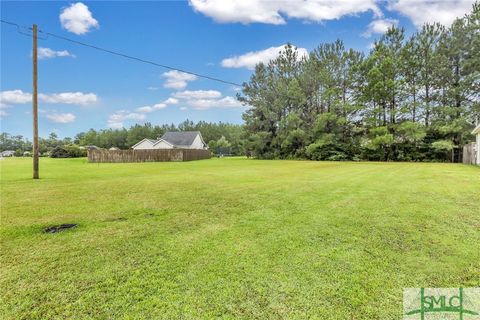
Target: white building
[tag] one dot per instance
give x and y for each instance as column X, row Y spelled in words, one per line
column 174, row 140
column 7, row 153
column 476, row 132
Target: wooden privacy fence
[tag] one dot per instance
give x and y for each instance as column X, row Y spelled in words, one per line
column 153, row 155
column 469, row 154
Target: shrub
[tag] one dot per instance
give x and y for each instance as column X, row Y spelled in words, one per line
column 75, row 151
column 59, row 152
column 442, row 149
column 442, row 146
column 70, row 151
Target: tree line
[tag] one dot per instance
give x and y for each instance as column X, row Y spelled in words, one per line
column 221, row 137
column 409, row 99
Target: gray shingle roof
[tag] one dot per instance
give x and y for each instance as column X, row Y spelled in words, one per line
column 180, row 138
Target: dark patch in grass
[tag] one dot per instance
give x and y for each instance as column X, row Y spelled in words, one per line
column 149, row 215
column 59, row 228
column 116, row 219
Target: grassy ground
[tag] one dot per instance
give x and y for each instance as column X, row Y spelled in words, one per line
column 233, row 238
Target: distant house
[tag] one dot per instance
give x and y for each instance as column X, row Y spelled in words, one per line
column 91, row 147
column 174, row 140
column 114, row 148
column 476, row 132
column 7, row 153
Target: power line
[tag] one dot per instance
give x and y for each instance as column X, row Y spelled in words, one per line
column 121, row 54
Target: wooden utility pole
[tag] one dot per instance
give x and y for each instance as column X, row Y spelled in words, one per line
column 35, row 104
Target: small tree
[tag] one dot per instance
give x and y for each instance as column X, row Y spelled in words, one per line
column 443, row 149
column 223, row 146
column 18, row 153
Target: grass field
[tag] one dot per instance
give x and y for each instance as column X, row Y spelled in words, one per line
column 233, row 238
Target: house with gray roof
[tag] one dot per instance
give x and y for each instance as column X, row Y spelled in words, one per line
column 7, row 153
column 173, row 140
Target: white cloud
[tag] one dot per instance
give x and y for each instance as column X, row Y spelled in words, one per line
column 3, row 113
column 116, row 119
column 171, row 101
column 152, row 88
column 198, row 94
column 250, row 59
column 276, row 12
column 145, row 109
column 148, row 109
column 61, row 117
column 198, row 99
column 227, row 102
column 77, row 18
column 11, row 97
column 158, row 106
column 423, row 11
column 14, row 97
column 379, row 26
column 206, row 99
column 177, row 80
column 47, row 53
column 77, row 98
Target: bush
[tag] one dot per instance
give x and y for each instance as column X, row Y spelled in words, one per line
column 442, row 149
column 326, row 148
column 71, row 151
column 75, row 151
column 442, row 146
column 59, row 152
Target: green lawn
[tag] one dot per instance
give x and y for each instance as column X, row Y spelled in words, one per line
column 233, row 238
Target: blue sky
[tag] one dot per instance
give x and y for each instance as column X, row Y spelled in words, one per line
column 82, row 88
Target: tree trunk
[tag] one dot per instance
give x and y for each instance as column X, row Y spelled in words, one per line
column 414, row 109
column 457, row 155
column 427, row 106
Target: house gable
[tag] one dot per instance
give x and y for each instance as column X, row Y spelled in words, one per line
column 162, row 144
column 144, row 144
column 198, row 143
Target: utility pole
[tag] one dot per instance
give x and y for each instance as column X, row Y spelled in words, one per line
column 35, row 104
